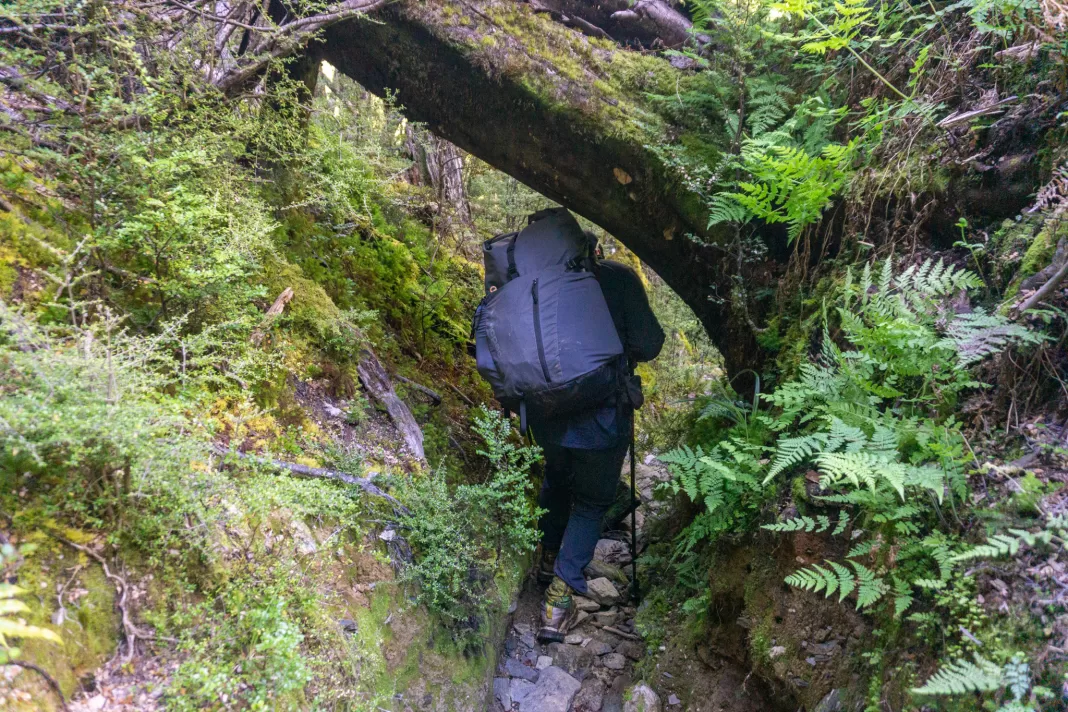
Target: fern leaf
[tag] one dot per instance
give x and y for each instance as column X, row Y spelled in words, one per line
column 870, row 588
column 960, row 676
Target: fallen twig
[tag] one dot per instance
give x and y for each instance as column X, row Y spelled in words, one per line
column 48, row 679
column 968, row 115
column 463, row 397
column 1045, row 290
column 315, row 473
column 431, row 394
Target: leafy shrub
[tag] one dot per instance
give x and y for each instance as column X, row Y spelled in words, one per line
column 460, row 536
column 872, row 416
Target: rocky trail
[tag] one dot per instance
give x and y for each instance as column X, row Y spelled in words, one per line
column 598, row 666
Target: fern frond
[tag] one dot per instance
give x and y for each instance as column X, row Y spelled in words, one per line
column 960, row 676
column 870, row 588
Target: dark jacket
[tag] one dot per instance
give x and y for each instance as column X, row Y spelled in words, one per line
column 606, row 426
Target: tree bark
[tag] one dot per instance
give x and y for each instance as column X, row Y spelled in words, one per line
column 506, row 100
column 375, row 379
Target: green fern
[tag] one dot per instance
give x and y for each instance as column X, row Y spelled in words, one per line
column 868, row 586
column 999, row 545
column 960, row 676
column 820, row 524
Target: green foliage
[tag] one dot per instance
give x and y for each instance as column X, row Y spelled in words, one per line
column 12, row 627
column 871, row 415
column 963, row 676
column 818, row 525
column 462, row 536
column 247, row 623
column 1055, row 531
column 868, row 586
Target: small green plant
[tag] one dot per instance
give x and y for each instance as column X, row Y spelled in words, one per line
column 461, row 536
column 12, row 627
column 1012, row 680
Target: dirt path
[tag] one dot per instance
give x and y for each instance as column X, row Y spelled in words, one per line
column 594, row 669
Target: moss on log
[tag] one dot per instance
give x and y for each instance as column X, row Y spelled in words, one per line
column 577, row 118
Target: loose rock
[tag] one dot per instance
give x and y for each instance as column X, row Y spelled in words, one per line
column 591, row 697
column 612, row 551
column 574, row 638
column 614, row 661
column 600, row 569
column 520, row 690
column 553, row 693
column 602, row 591
column 598, row 647
column 631, row 649
column 502, row 690
column 570, row 658
column 514, row 668
column 642, row 699
column 544, row 661
column 604, row 618
column 585, row 604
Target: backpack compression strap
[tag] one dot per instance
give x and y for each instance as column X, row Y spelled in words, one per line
column 512, row 271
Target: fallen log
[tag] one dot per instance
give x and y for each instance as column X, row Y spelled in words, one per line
column 316, row 473
column 376, row 381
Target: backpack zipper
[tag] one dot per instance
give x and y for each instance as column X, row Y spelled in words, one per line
column 537, row 332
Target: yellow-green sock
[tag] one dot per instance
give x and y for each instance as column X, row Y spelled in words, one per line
column 558, row 594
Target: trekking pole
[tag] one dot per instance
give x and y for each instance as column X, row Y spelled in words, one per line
column 636, row 590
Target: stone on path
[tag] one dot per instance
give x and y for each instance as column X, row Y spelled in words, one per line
column 574, row 638
column 591, row 697
column 570, row 658
column 553, row 693
column 604, row 618
column 598, row 647
column 514, row 668
column 673, row 699
column 603, row 591
column 631, row 649
column 544, row 661
column 614, row 661
column 642, row 699
column 520, row 690
column 502, row 690
column 613, row 698
column 599, row 569
column 612, row 551
column 584, row 604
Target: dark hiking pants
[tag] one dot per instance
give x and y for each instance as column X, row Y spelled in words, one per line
column 579, row 487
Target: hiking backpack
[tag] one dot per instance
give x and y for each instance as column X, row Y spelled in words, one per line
column 544, row 338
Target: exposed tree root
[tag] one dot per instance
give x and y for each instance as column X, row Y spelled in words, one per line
column 51, row 681
column 130, row 631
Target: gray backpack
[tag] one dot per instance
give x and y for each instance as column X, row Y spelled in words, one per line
column 544, row 338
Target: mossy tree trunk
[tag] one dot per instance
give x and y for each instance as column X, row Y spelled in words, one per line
column 564, row 113
column 598, row 128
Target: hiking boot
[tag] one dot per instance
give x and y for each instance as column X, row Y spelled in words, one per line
column 545, row 565
column 558, row 613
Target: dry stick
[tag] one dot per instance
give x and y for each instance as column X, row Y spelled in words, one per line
column 460, row 393
column 316, row 473
column 433, row 395
column 1045, row 289
column 132, row 632
column 277, row 308
column 48, row 678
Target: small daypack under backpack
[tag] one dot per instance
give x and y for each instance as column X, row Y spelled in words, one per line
column 544, row 338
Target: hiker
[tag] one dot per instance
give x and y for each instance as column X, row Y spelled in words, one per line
column 558, row 336
column 584, row 454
